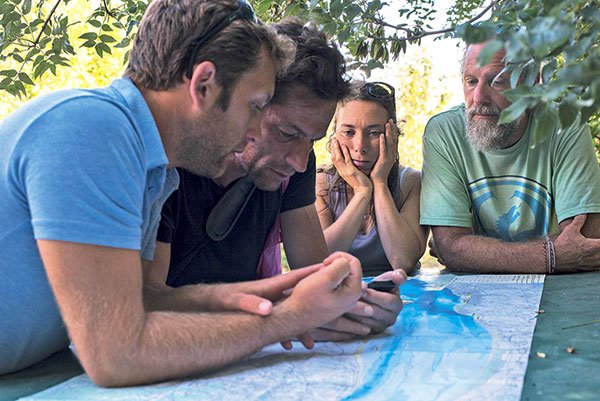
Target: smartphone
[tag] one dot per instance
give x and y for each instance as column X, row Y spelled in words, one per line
column 384, row 286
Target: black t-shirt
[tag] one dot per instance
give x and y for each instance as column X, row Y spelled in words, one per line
column 195, row 258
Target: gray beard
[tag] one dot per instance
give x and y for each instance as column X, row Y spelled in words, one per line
column 486, row 135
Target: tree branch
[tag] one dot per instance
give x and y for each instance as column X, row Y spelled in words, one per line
column 107, row 10
column 46, row 22
column 279, row 13
column 413, row 35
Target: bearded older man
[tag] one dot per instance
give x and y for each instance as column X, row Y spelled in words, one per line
column 501, row 199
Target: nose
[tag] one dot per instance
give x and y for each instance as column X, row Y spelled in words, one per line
column 297, row 157
column 252, row 132
column 481, row 93
column 359, row 143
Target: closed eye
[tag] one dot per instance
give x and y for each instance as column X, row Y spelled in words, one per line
column 286, row 135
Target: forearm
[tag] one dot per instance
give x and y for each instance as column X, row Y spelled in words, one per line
column 188, row 298
column 477, row 254
column 340, row 235
column 403, row 241
column 174, row 344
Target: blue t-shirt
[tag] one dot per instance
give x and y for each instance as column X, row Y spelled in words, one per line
column 84, row 166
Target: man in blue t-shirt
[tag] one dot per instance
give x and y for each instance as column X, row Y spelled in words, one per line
column 299, row 114
column 83, row 174
column 503, row 198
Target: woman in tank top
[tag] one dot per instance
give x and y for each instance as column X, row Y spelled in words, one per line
column 368, row 203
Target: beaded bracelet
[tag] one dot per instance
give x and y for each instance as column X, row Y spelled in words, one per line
column 552, row 257
column 549, row 255
column 545, row 246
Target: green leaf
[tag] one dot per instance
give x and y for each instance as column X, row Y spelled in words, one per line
column 89, row 36
column 95, row 23
column 40, row 69
column 20, row 87
column 26, row 7
column 544, row 122
column 9, row 73
column 10, row 17
column 106, row 28
column 17, row 57
column 488, row 52
column 343, row 35
column 352, row 11
column 124, row 43
column 568, row 113
column 57, row 45
column 477, row 33
column 514, row 111
column 548, row 71
column 107, row 39
column 6, row 8
column 336, row 8
column 579, row 47
column 101, row 47
column 25, row 78
column 89, row 43
column 4, row 83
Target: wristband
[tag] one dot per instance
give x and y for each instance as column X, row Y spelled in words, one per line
column 546, row 260
column 551, row 257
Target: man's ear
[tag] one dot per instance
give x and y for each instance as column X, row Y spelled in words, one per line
column 203, row 88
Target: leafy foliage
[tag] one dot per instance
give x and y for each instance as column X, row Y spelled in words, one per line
column 35, row 39
column 556, row 38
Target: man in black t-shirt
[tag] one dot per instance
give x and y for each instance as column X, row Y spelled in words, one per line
column 279, row 160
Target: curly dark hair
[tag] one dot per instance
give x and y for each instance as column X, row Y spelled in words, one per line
column 319, row 66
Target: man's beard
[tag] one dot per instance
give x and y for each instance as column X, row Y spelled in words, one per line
column 260, row 173
column 202, row 148
column 487, row 135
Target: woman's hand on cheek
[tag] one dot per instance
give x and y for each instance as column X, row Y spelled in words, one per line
column 341, row 159
column 388, row 152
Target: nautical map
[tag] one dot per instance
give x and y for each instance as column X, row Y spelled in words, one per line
column 457, row 338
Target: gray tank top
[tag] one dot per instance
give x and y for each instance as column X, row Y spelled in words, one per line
column 367, row 247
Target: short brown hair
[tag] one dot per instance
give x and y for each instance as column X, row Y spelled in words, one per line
column 169, row 30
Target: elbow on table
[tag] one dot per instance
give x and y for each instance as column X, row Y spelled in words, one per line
column 407, row 264
column 113, row 365
column 112, row 371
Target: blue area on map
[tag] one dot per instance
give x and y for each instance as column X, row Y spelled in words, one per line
column 444, row 331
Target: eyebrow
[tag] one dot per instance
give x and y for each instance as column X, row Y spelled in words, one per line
column 367, row 127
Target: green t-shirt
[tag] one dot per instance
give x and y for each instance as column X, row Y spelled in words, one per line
column 513, row 194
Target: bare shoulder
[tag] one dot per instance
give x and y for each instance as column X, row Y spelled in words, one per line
column 412, row 181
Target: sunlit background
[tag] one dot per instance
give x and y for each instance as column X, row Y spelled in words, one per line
column 426, row 81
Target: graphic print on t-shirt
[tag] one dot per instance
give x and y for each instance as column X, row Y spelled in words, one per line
column 511, row 208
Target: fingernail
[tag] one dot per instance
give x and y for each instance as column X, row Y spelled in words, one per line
column 264, row 306
column 369, row 310
column 366, row 329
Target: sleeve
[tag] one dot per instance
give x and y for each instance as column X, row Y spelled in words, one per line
column 301, row 189
column 84, row 169
column 445, row 200
column 576, row 177
column 166, row 227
